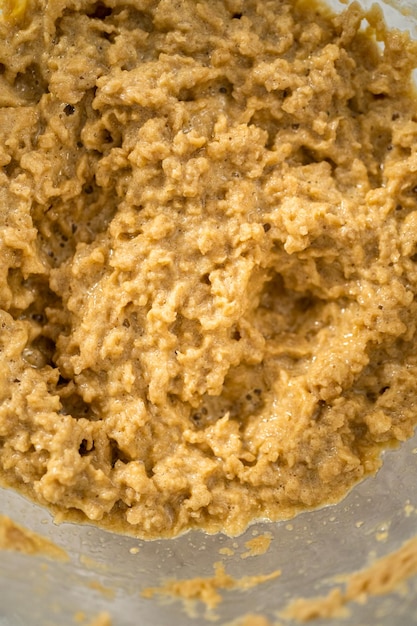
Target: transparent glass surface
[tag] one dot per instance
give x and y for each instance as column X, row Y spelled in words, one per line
column 108, row 572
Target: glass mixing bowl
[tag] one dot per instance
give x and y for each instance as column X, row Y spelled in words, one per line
column 108, row 572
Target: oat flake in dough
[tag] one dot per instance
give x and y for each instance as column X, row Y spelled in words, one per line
column 207, row 258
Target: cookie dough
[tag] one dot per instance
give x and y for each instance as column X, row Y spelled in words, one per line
column 17, row 538
column 207, row 589
column 208, row 257
column 387, row 574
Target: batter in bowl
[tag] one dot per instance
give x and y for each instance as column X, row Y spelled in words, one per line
column 208, row 257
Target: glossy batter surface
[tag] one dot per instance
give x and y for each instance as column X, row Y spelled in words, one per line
column 208, row 257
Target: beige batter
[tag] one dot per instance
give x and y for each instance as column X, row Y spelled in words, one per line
column 208, row 257
column 17, row 538
column 388, row 574
column 385, row 575
column 207, row 590
column 102, row 619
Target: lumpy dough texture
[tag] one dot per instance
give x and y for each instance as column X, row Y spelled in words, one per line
column 208, row 257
